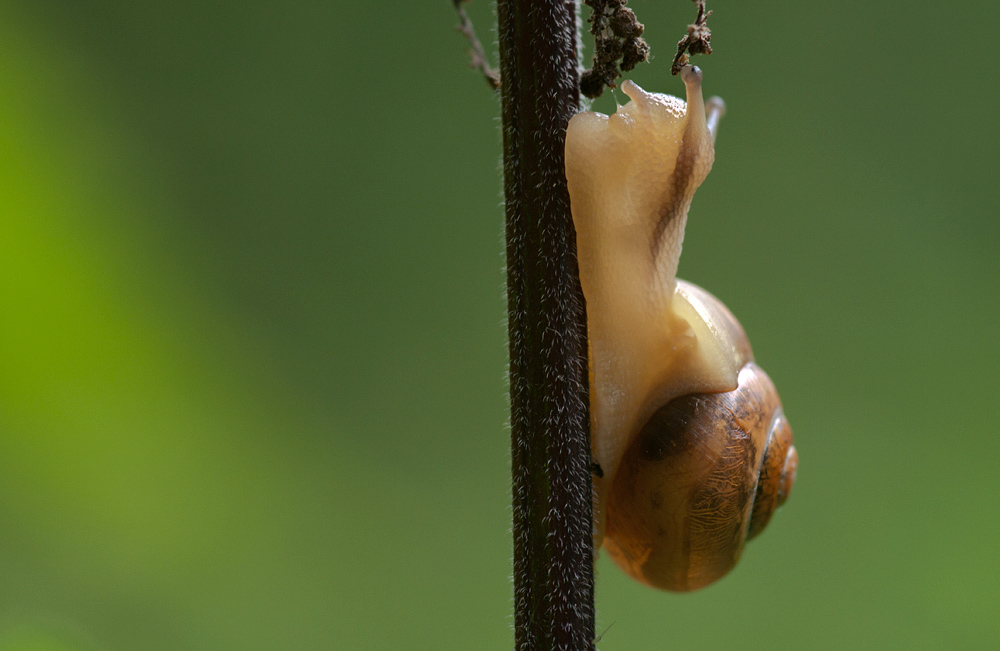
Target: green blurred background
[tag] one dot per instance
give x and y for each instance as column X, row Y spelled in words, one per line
column 252, row 327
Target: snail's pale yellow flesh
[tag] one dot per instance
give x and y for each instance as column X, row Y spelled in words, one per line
column 631, row 178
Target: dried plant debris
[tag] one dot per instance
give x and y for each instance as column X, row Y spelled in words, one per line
column 477, row 56
column 698, row 39
column 618, row 46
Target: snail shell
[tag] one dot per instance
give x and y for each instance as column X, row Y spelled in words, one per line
column 693, row 450
column 702, row 476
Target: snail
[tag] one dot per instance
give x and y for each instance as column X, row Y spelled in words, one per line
column 692, row 451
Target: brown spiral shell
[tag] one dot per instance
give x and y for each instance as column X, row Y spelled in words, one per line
column 703, row 476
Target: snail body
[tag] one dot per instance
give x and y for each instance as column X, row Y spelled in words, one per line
column 686, row 429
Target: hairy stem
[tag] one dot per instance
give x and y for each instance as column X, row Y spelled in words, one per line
column 550, row 434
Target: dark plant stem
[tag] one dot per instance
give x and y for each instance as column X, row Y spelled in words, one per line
column 550, row 434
